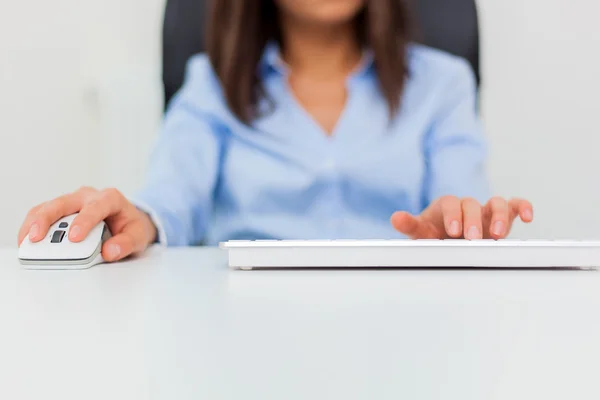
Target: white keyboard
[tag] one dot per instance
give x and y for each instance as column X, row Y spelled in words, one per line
column 412, row 254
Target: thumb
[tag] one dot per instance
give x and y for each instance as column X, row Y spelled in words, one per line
column 410, row 225
column 129, row 241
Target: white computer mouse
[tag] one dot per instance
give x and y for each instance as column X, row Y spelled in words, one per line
column 57, row 252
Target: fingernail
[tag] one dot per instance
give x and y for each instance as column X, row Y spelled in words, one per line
column 473, row 233
column 527, row 215
column 498, row 228
column 74, row 233
column 454, row 228
column 114, row 251
column 34, row 231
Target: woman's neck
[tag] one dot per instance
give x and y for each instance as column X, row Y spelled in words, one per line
column 318, row 50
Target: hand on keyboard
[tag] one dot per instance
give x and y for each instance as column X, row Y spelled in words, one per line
column 451, row 217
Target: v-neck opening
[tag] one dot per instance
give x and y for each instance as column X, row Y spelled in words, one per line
column 273, row 58
column 335, row 133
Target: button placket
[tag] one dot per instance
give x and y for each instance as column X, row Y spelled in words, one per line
column 331, row 172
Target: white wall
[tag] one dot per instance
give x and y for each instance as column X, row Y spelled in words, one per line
column 59, row 63
column 541, row 107
column 61, row 60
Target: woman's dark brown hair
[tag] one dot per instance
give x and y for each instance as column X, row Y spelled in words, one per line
column 239, row 30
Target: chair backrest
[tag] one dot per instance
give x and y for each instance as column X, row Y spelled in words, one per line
column 449, row 25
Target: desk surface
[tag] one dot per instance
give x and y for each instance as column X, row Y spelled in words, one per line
column 177, row 324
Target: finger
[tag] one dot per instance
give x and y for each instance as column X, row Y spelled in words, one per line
column 126, row 243
column 101, row 206
column 51, row 212
column 410, row 226
column 26, row 226
column 471, row 210
column 499, row 221
column 522, row 208
column 452, row 213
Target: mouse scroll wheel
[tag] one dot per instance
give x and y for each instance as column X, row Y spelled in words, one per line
column 58, row 236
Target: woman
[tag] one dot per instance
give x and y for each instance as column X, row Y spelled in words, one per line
column 307, row 119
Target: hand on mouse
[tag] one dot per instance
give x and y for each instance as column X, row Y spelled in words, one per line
column 132, row 229
column 453, row 218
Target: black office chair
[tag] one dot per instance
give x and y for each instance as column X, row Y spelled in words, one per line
column 449, row 25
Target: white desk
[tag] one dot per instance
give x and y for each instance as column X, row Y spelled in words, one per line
column 179, row 325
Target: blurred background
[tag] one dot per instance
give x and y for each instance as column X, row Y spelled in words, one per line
column 81, row 104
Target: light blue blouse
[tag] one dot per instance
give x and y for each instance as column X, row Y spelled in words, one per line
column 212, row 178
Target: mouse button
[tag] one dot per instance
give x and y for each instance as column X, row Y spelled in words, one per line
column 63, row 225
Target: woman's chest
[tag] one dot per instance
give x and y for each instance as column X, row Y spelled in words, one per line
column 286, row 159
